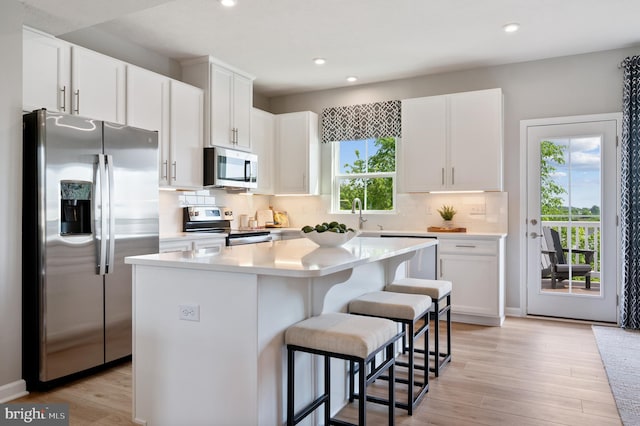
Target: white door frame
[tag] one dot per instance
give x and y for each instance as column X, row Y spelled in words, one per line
column 523, row 228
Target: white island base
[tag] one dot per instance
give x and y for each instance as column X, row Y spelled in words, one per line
column 229, row 367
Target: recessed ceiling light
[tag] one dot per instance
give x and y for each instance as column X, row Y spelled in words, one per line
column 511, row 28
column 228, row 3
column 319, row 61
column 352, row 78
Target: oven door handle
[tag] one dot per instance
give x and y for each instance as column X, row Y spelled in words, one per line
column 249, row 239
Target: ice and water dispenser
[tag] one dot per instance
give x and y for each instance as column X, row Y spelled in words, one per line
column 75, row 206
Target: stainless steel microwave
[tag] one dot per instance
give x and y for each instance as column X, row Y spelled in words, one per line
column 230, row 168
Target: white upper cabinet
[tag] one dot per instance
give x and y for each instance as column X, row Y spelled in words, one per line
column 422, row 147
column 297, row 155
column 98, row 85
column 476, row 141
column 46, row 72
column 228, row 101
column 148, row 108
column 263, row 136
column 186, row 140
column 65, row 78
column 453, row 142
column 175, row 110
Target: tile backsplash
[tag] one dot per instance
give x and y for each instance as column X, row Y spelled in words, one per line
column 478, row 212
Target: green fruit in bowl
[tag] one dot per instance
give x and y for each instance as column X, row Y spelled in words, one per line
column 338, row 228
column 321, row 228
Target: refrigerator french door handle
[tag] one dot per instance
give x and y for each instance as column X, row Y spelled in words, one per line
column 111, row 263
column 102, row 261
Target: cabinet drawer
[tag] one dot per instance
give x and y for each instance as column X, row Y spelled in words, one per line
column 217, row 243
column 169, row 246
column 468, row 246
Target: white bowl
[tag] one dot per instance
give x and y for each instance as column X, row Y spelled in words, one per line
column 328, row 238
column 327, row 256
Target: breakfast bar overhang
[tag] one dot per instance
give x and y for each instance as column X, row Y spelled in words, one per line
column 208, row 325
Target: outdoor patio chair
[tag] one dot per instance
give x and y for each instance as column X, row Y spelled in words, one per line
column 554, row 264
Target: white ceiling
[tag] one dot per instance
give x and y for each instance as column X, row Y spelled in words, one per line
column 376, row 40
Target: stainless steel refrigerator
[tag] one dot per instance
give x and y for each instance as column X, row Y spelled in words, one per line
column 90, row 198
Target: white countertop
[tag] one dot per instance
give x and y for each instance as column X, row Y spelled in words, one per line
column 364, row 233
column 295, row 258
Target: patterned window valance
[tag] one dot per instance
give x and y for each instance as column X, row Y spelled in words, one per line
column 375, row 120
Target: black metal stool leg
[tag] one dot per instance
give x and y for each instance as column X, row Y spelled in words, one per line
column 327, row 389
column 436, row 337
column 290, row 386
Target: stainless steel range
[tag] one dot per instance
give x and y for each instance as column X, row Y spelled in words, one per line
column 218, row 220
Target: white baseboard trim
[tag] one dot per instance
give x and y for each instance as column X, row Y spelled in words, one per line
column 477, row 319
column 514, row 312
column 13, row 390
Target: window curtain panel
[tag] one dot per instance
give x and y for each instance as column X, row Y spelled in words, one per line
column 630, row 195
column 354, row 122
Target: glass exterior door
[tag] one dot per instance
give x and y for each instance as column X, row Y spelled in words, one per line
column 571, row 229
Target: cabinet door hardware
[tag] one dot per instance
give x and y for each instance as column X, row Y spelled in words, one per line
column 465, row 246
column 64, row 98
column 166, row 169
column 175, row 170
column 77, row 110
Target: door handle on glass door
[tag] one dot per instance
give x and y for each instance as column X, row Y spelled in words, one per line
column 535, row 235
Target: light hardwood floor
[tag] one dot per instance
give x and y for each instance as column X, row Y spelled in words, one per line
column 528, row 372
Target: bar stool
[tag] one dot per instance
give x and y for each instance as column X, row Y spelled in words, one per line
column 438, row 290
column 408, row 310
column 353, row 338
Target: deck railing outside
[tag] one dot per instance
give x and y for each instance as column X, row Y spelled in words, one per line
column 579, row 235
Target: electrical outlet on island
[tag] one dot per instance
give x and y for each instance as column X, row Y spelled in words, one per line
column 189, row 312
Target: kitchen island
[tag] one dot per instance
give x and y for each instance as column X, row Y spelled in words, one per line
column 208, row 325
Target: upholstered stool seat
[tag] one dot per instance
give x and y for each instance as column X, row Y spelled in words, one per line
column 408, row 310
column 353, row 338
column 438, row 290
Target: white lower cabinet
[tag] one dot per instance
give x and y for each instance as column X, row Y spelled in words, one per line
column 167, row 246
column 209, row 243
column 191, row 243
column 475, row 268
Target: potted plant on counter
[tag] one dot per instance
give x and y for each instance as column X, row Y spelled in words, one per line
column 447, row 212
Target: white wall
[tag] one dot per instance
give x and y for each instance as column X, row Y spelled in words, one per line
column 10, row 199
column 573, row 85
column 95, row 39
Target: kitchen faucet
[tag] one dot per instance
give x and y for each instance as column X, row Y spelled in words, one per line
column 361, row 221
